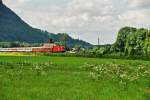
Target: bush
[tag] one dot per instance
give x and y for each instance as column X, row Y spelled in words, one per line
column 123, row 74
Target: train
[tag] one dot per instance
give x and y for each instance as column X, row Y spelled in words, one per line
column 47, row 47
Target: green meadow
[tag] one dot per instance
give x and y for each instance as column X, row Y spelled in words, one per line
column 73, row 78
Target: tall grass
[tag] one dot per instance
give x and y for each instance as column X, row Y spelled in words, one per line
column 71, row 78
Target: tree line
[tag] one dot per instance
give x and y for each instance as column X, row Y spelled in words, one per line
column 131, row 42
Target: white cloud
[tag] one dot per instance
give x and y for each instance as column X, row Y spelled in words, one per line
column 139, row 3
column 139, row 18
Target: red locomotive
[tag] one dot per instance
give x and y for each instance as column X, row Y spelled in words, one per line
column 49, row 48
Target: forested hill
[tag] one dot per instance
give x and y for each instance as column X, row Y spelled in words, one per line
column 13, row 28
column 132, row 41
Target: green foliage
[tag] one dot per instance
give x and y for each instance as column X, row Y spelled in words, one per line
column 123, row 73
column 98, row 51
column 18, row 44
column 63, row 38
column 123, row 33
column 132, row 41
column 77, row 48
column 147, row 44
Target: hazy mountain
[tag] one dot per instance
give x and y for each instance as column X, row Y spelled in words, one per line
column 13, row 28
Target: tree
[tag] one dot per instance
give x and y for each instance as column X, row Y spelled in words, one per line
column 77, row 47
column 132, row 41
column 123, row 33
column 147, row 44
column 63, row 38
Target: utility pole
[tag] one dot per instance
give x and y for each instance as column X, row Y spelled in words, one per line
column 78, row 37
column 98, row 43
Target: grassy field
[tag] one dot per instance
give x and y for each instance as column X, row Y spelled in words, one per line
column 67, row 78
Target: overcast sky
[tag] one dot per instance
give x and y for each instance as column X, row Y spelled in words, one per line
column 83, row 19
